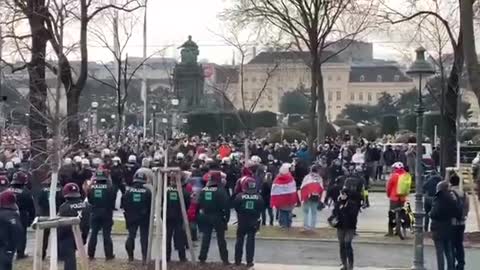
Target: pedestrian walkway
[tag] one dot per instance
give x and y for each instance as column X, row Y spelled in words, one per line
column 309, row 267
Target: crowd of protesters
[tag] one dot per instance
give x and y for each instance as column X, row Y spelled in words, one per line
column 262, row 181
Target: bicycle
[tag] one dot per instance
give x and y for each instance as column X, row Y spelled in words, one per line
column 401, row 219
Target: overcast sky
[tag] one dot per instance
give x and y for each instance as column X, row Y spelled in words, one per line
column 170, row 23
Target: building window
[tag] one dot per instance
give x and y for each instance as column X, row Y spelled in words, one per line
column 396, row 78
column 254, row 79
column 379, row 95
column 329, row 77
column 352, row 96
column 330, row 96
column 338, row 107
column 339, row 95
column 362, row 78
column 379, row 78
column 360, row 96
column 339, row 78
column 369, row 96
column 245, row 79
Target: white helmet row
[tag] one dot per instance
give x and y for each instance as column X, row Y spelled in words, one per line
column 9, row 165
column 67, row 161
column 85, row 162
column 96, row 162
column 132, row 158
column 106, row 152
column 1, row 165
column 256, row 159
column 16, row 161
column 117, row 159
column 77, row 159
column 180, row 155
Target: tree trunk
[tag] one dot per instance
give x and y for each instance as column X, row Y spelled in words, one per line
column 321, row 109
column 313, row 105
column 73, row 128
column 38, row 92
column 466, row 20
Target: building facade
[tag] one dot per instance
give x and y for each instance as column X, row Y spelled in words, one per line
column 347, row 79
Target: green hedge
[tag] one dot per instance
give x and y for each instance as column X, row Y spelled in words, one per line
column 389, row 125
column 431, row 120
column 217, row 123
column 343, row 122
column 304, row 127
column 288, row 134
column 409, row 122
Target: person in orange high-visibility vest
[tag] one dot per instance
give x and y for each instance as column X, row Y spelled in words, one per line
column 396, row 201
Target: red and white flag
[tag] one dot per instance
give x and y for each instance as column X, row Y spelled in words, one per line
column 311, row 186
column 284, row 192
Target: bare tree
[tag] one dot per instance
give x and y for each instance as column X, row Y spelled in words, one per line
column 312, row 25
column 468, row 31
column 122, row 73
column 436, row 26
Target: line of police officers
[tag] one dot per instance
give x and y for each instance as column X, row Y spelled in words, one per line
column 95, row 207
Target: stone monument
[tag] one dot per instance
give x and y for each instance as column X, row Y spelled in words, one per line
column 188, row 77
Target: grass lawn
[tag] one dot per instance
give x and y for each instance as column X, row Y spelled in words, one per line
column 124, row 265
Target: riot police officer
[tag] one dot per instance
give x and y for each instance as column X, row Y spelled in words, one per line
column 214, row 214
column 249, row 205
column 102, row 199
column 44, row 207
column 130, row 169
column 12, row 229
column 136, row 203
column 175, row 226
column 25, row 207
column 73, row 206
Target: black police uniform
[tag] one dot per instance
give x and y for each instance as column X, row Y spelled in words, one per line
column 44, row 209
column 102, row 200
column 249, row 206
column 214, row 213
column 72, row 207
column 26, row 209
column 175, row 227
column 11, row 235
column 136, row 202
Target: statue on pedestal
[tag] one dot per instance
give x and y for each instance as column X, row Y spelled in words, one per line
column 188, row 77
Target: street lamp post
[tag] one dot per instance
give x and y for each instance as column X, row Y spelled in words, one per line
column 419, row 70
column 175, row 102
column 94, row 117
column 154, row 121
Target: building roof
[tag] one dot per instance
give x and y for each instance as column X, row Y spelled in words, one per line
column 290, row 56
column 377, row 73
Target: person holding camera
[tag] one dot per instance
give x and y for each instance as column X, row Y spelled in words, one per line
column 344, row 219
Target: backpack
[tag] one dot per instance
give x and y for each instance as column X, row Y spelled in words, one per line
column 404, row 184
column 353, row 184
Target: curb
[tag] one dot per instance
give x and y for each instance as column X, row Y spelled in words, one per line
column 331, row 240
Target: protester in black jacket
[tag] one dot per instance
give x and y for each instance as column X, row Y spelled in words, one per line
column 444, row 210
column 346, row 215
column 11, row 233
column 429, row 191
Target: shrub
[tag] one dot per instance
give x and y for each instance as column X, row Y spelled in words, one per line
column 389, row 124
column 409, row 122
column 288, row 134
column 343, row 122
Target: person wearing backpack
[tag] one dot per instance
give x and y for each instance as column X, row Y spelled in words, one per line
column 444, row 209
column 397, row 200
column 463, row 205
